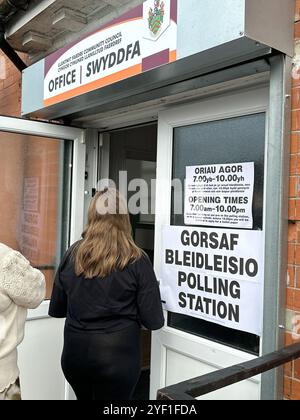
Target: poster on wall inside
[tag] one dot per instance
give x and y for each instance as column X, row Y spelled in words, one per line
column 215, row 275
column 220, row 195
column 30, row 237
column 138, row 41
column 31, row 194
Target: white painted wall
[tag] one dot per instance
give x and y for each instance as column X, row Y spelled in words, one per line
column 39, row 360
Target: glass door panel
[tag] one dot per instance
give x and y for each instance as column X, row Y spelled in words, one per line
column 35, row 197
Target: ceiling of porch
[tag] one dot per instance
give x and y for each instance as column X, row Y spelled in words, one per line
column 48, row 25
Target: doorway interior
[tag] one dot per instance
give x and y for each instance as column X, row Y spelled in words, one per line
column 127, row 157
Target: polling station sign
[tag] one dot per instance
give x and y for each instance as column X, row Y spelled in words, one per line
column 220, row 195
column 215, row 275
column 138, row 41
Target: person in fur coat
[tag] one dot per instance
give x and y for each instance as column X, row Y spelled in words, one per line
column 21, row 288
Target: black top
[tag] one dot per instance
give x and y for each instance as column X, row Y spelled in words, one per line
column 107, row 304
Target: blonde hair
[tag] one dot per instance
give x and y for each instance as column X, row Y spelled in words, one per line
column 107, row 244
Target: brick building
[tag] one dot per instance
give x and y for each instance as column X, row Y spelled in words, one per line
column 113, row 117
column 292, row 385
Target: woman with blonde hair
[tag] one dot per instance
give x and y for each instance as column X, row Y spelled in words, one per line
column 106, row 288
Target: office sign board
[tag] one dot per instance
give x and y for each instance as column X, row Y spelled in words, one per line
column 138, row 41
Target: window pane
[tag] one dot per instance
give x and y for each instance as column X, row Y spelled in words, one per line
column 144, row 170
column 35, row 199
column 234, row 140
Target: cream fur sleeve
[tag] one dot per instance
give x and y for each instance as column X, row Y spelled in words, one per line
column 24, row 285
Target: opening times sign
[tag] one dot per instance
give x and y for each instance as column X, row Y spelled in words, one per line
column 215, row 275
column 220, row 195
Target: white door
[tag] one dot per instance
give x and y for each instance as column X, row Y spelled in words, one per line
column 228, row 128
column 42, row 207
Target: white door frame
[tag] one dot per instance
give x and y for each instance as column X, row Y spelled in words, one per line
column 57, row 132
column 235, row 104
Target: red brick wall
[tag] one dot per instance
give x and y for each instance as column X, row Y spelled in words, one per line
column 10, row 88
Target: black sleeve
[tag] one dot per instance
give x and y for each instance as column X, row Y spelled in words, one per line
column 148, row 296
column 59, row 300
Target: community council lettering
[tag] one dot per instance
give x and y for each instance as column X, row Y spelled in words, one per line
column 207, row 292
column 96, row 67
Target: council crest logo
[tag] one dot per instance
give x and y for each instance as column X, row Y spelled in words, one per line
column 156, row 17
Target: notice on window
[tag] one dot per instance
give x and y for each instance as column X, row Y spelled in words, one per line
column 220, row 195
column 215, row 275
